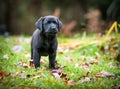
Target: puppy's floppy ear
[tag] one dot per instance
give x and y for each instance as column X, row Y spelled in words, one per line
column 39, row 23
column 59, row 24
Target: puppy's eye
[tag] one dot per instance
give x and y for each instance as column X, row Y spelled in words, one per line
column 54, row 22
column 49, row 21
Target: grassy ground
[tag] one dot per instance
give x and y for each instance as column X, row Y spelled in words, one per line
column 83, row 62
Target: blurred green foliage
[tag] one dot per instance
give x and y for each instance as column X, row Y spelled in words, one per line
column 20, row 15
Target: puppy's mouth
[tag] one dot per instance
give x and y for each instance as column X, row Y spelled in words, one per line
column 51, row 33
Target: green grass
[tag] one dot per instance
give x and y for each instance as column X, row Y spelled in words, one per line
column 76, row 61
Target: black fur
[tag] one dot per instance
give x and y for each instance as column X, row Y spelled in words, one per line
column 44, row 40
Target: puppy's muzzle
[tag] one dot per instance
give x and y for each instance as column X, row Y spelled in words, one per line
column 53, row 30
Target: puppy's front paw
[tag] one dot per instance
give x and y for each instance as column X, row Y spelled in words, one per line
column 52, row 66
column 31, row 63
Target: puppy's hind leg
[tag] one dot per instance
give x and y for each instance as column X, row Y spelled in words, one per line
column 31, row 60
column 31, row 54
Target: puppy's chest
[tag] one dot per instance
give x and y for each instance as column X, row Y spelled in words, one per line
column 45, row 48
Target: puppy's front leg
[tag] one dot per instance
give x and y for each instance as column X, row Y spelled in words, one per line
column 52, row 57
column 36, row 58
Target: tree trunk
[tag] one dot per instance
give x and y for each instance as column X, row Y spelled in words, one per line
column 8, row 15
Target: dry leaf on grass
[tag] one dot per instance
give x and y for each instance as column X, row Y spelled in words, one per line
column 69, row 82
column 42, row 60
column 60, row 50
column 23, row 64
column 26, row 65
column 105, row 74
column 69, row 59
column 31, row 63
column 85, row 78
column 17, row 48
column 6, row 56
column 20, row 74
column 111, row 65
column 27, row 55
column 2, row 74
column 85, row 66
column 57, row 73
column 27, row 88
column 35, row 77
column 38, row 75
column 116, row 86
column 28, row 76
column 56, row 70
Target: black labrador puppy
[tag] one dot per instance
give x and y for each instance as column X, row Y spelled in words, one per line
column 44, row 40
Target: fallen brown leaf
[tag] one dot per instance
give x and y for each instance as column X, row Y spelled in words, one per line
column 17, row 48
column 56, row 75
column 31, row 63
column 27, row 88
column 86, row 79
column 69, row 82
column 112, row 49
column 23, row 64
column 118, row 65
column 26, row 66
column 86, row 66
column 28, row 76
column 56, row 70
column 117, row 57
column 111, row 65
column 105, row 74
column 20, row 74
column 69, row 59
column 35, row 77
column 62, row 75
column 6, row 56
column 73, row 47
column 27, row 55
column 2, row 74
column 42, row 60
column 60, row 50
column 116, row 86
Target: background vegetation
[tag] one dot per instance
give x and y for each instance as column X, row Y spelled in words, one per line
column 19, row 16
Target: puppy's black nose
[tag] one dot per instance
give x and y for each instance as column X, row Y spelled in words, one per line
column 53, row 28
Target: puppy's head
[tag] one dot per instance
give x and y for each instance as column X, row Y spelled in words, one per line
column 49, row 25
